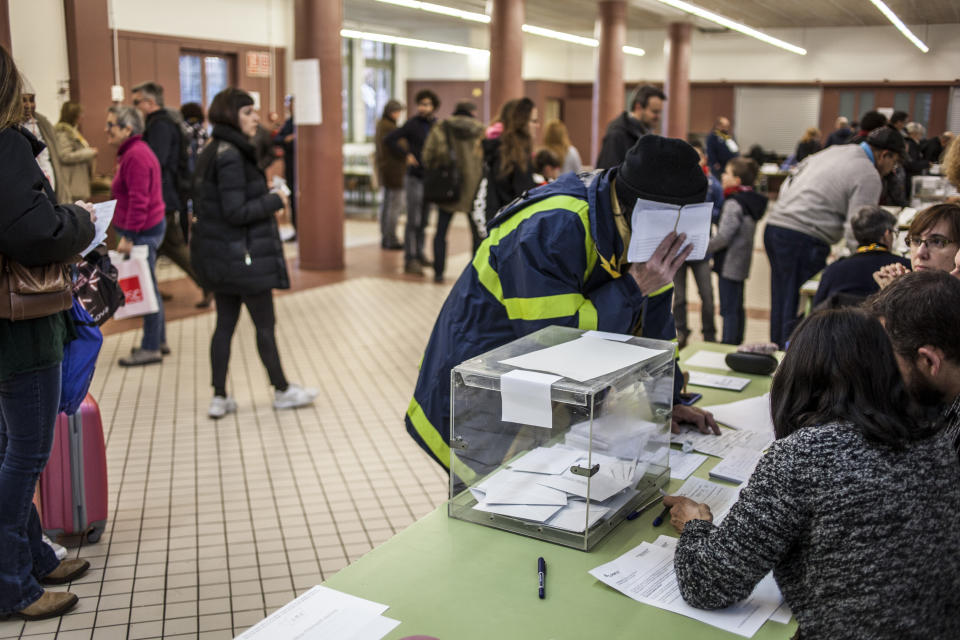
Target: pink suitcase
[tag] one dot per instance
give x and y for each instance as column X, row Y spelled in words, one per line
column 73, row 487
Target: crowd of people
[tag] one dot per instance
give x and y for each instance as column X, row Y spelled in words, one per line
column 854, row 508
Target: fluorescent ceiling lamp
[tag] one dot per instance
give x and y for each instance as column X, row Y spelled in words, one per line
column 559, row 35
column 527, row 28
column 439, row 8
column 898, row 23
column 736, row 26
column 413, row 42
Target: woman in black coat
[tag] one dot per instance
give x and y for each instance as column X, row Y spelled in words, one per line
column 235, row 247
column 34, row 231
column 508, row 158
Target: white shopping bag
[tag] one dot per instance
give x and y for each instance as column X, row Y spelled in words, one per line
column 137, row 284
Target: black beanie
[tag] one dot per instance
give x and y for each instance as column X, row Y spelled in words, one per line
column 660, row 169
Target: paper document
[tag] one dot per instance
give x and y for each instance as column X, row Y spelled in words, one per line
column 602, row 486
column 652, row 221
column 517, row 487
column 606, row 335
column 573, row 517
column 323, row 612
column 751, row 413
column 584, row 358
column 104, row 212
column 683, row 464
column 525, row 397
column 646, row 574
column 782, row 614
column 716, row 496
column 536, row 513
column 551, row 460
column 707, row 360
column 703, row 379
column 737, row 466
column 721, row 445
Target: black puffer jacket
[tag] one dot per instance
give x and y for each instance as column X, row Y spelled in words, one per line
column 235, row 247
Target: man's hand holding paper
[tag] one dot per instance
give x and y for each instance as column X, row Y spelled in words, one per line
column 659, row 270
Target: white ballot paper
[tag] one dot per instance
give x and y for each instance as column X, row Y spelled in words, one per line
column 518, row 487
column 716, row 496
column 721, row 445
column 704, row 379
column 652, row 221
column 573, row 517
column 104, row 212
column 752, row 414
column 683, row 464
column 584, row 358
column 323, row 612
column 552, row 460
column 606, row 335
column 602, row 485
column 737, row 466
column 525, row 397
column 534, row 512
column 646, row 574
column 708, row 360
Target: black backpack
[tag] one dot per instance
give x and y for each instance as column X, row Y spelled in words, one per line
column 442, row 184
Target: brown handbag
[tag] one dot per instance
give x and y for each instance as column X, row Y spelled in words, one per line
column 33, row 292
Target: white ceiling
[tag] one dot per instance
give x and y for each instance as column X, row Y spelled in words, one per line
column 578, row 16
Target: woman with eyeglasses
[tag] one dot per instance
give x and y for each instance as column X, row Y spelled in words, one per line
column 934, row 240
column 855, row 507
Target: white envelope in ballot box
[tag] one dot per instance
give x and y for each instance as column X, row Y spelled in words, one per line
column 137, row 284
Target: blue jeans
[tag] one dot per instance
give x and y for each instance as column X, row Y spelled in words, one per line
column 418, row 210
column 154, row 327
column 794, row 258
column 28, row 414
column 731, row 310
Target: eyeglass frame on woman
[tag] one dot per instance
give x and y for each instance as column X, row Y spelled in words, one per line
column 934, row 241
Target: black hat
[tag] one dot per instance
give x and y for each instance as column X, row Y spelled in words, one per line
column 888, row 138
column 660, row 169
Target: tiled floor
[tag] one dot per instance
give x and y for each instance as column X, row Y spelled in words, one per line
column 214, row 525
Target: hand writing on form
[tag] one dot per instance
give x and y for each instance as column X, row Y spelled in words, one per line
column 683, row 510
column 658, row 272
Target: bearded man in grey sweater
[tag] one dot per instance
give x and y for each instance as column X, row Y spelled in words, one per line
column 812, row 211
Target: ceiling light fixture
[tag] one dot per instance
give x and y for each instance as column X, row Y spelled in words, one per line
column 633, row 51
column 898, row 23
column 413, row 42
column 559, row 35
column 439, row 8
column 736, row 26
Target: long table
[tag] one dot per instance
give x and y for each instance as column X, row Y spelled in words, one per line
column 456, row 580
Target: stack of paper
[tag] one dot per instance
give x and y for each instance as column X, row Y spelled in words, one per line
column 584, row 358
column 646, row 574
column 752, row 414
column 716, row 496
column 703, row 379
column 323, row 612
column 708, row 360
column 683, row 464
column 737, row 466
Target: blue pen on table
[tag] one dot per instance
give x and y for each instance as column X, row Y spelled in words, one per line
column 542, row 577
column 636, row 514
column 659, row 519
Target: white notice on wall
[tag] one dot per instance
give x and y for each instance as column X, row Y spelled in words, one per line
column 306, row 92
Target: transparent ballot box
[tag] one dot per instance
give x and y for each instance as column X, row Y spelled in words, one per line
column 561, row 434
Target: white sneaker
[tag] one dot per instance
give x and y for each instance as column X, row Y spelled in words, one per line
column 60, row 550
column 294, row 396
column 221, row 406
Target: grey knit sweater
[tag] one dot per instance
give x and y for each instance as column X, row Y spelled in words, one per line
column 864, row 541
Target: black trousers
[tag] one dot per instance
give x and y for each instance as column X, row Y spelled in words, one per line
column 260, row 306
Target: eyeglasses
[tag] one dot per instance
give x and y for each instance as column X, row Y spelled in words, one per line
column 935, row 241
column 111, row 125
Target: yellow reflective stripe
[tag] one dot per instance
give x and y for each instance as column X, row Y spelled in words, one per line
column 588, row 316
column 662, row 289
column 431, row 437
column 543, row 307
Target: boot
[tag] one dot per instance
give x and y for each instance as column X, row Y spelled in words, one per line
column 50, row 605
column 67, row 571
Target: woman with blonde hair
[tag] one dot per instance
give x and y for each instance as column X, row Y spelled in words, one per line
column 76, row 154
column 809, row 144
column 557, row 140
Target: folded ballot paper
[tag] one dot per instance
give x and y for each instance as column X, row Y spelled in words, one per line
column 652, row 221
column 752, row 414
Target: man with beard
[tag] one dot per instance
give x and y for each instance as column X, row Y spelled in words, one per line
column 919, row 313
